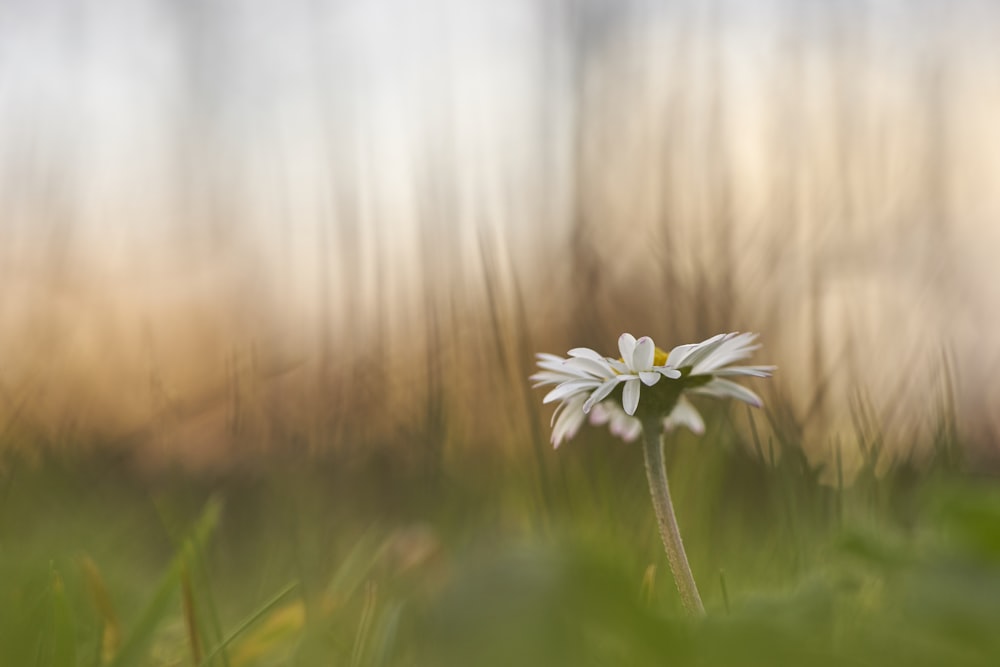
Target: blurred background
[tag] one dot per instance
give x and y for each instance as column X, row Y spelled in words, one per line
column 237, row 230
column 273, row 274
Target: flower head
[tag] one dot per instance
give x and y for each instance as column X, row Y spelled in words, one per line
column 585, row 381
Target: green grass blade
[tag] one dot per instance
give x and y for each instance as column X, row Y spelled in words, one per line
column 63, row 627
column 134, row 648
column 384, row 637
column 247, row 622
column 364, row 624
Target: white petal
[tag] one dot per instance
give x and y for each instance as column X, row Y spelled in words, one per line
column 626, row 345
column 705, row 348
column 601, row 393
column 736, row 347
column 685, row 414
column 567, row 425
column 642, row 355
column 555, row 413
column 725, row 389
column 551, row 364
column 590, row 366
column 677, row 355
column 545, row 356
column 755, row 371
column 569, row 388
column 619, row 366
column 649, row 378
column 585, row 353
column 630, row 396
column 547, row 377
column 671, row 373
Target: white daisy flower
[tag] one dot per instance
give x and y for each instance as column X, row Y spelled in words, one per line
column 635, row 368
column 585, row 380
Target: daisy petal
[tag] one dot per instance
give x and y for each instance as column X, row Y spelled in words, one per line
column 649, row 378
column 567, row 425
column 685, row 414
column 725, row 389
column 671, row 373
column 600, row 393
column 590, row 366
column 547, row 377
column 600, row 414
column 755, row 371
column 585, row 353
column 626, row 345
column 677, row 355
column 554, row 364
column 736, row 347
column 631, row 431
column 630, row 396
column 642, row 355
column 619, row 366
column 706, row 348
column 569, row 388
column 545, row 356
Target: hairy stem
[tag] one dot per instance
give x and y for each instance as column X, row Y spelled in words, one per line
column 659, row 489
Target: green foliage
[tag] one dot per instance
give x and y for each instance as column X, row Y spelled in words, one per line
column 321, row 565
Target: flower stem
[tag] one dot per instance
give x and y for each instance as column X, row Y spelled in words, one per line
column 659, row 489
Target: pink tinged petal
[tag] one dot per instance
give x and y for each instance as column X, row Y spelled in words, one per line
column 725, row 389
column 585, row 353
column 626, row 345
column 601, row 393
column 649, row 378
column 623, row 426
column 671, row 373
column 630, row 396
column 631, row 431
column 599, row 368
column 599, row 414
column 642, row 355
column 685, row 414
column 569, row 388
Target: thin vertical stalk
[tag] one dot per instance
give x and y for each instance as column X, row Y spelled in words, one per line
column 659, row 490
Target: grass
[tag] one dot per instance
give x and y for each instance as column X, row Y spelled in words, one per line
column 316, row 563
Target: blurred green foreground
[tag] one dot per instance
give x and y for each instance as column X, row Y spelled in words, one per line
column 493, row 563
